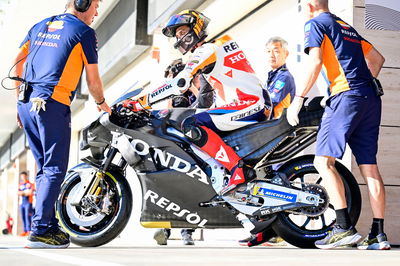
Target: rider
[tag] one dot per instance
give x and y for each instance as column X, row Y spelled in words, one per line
column 240, row 101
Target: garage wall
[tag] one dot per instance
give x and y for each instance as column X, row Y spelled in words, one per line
column 388, row 43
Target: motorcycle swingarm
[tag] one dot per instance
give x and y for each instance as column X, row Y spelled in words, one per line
column 274, row 199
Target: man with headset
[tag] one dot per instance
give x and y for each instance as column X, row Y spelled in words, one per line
column 55, row 51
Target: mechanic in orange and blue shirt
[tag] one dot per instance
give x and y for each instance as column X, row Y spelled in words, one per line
column 280, row 83
column 281, row 88
column 25, row 191
column 352, row 116
column 56, row 50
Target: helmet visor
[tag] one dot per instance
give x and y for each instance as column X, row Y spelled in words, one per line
column 175, row 22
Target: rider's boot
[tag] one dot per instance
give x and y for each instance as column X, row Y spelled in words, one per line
column 240, row 175
column 223, row 153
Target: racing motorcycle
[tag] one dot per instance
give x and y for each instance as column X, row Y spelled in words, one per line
column 179, row 181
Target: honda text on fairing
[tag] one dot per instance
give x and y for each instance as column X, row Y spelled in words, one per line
column 179, row 181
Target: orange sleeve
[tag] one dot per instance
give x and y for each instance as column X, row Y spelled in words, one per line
column 25, row 47
column 366, row 46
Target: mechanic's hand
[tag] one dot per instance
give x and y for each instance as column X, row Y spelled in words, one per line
column 323, row 101
column 132, row 105
column 104, row 107
column 19, row 123
column 293, row 111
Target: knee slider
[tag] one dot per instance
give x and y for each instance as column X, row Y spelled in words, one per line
column 195, row 133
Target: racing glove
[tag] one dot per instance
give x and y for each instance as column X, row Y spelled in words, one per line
column 293, row 111
column 132, row 105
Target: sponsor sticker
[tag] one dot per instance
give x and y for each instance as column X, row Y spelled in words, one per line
column 55, row 25
column 270, row 193
column 168, row 160
column 279, row 84
column 307, row 27
column 303, row 166
column 238, row 61
column 343, row 24
column 175, row 209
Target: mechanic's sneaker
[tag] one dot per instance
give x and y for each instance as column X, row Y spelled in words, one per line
column 339, row 237
column 380, row 242
column 161, row 236
column 51, row 239
column 187, row 240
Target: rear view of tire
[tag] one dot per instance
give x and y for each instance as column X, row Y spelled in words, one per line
column 301, row 230
column 89, row 227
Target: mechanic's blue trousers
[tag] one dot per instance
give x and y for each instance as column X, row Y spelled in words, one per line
column 26, row 215
column 49, row 134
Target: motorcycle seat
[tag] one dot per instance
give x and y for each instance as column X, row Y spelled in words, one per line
column 253, row 141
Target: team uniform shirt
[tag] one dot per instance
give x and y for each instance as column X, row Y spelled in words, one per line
column 281, row 88
column 26, row 186
column 343, row 53
column 353, row 112
column 58, row 48
column 238, row 92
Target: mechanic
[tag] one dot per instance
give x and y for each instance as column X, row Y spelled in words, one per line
column 51, row 73
column 280, row 83
column 352, row 115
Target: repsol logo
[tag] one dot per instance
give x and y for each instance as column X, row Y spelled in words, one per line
column 230, row 47
column 169, row 206
column 49, row 36
column 169, row 160
column 160, row 90
column 349, row 33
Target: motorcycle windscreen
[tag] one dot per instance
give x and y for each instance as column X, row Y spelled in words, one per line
column 128, row 94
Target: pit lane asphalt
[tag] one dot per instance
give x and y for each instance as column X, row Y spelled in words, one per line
column 204, row 253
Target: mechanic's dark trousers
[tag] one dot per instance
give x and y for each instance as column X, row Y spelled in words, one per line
column 26, row 215
column 49, row 134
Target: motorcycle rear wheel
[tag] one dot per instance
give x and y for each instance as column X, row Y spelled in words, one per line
column 103, row 228
column 303, row 231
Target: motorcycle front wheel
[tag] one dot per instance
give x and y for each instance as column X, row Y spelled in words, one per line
column 302, row 230
column 88, row 224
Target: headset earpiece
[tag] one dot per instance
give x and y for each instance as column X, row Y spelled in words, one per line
column 82, row 5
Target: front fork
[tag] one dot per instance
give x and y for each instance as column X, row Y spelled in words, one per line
column 92, row 181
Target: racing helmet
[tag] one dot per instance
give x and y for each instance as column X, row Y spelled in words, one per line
column 197, row 23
